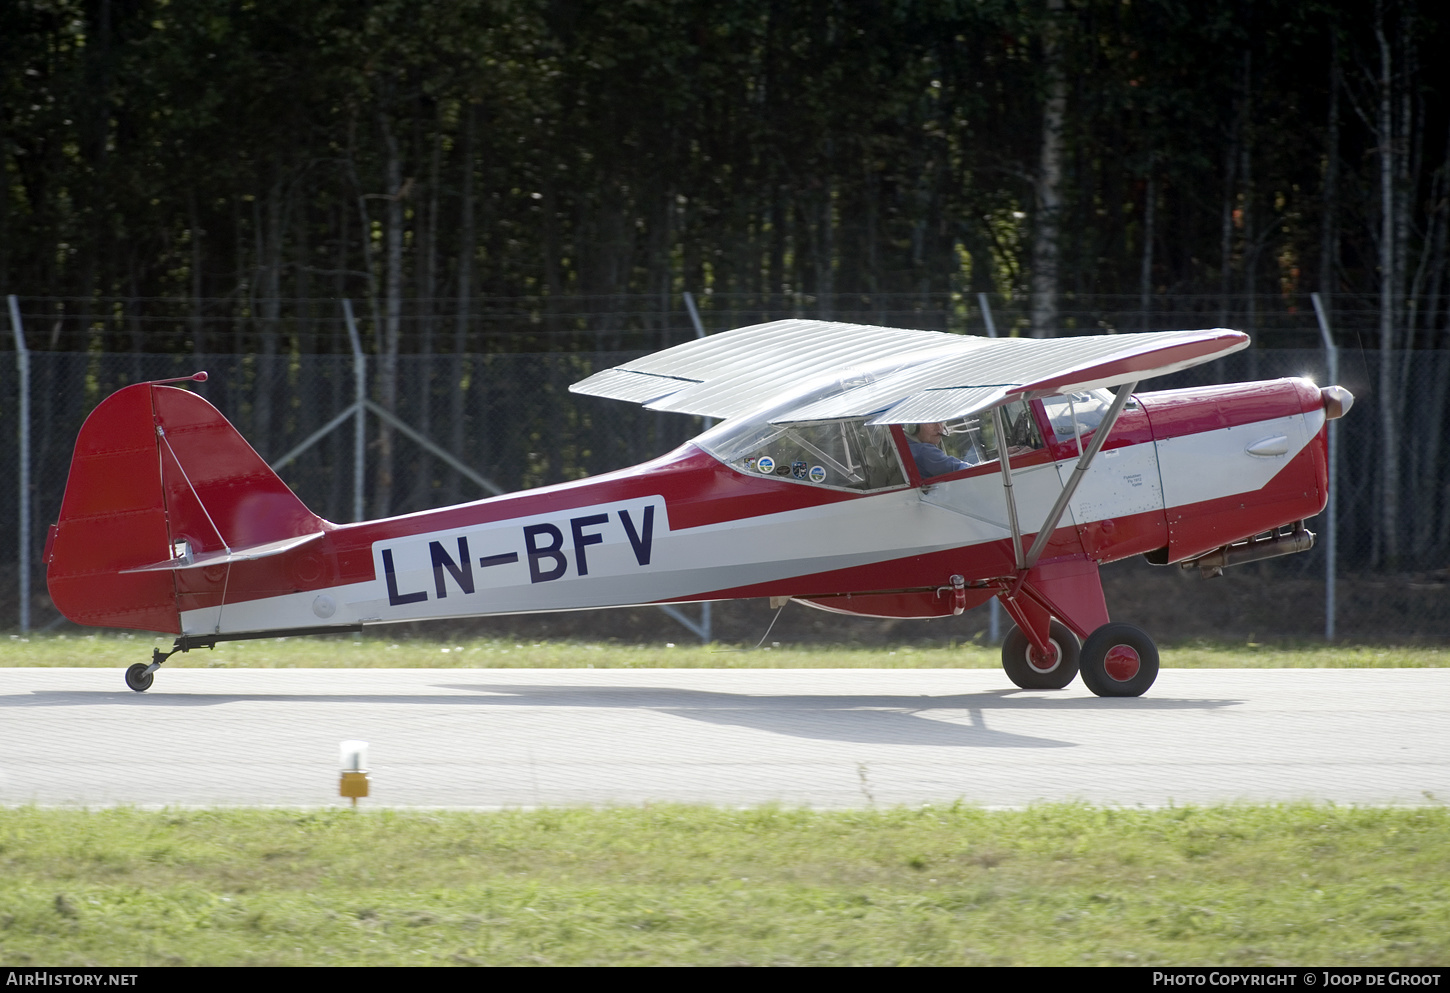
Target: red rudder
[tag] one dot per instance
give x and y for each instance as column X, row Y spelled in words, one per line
column 156, row 467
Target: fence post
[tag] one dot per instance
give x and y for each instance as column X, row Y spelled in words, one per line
column 987, row 315
column 360, row 434
column 994, row 608
column 704, row 629
column 22, row 365
column 1331, row 508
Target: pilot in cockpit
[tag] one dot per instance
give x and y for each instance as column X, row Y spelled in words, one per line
column 926, row 449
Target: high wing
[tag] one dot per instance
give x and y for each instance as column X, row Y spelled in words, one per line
column 894, row 375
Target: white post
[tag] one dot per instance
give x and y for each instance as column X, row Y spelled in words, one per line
column 22, row 365
column 360, row 436
column 1331, row 510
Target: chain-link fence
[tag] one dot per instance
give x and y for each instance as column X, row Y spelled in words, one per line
column 511, row 419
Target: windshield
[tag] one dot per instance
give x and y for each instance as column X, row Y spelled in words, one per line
column 1075, row 415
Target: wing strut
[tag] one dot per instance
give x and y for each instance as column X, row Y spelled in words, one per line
column 1001, row 425
column 1055, row 514
column 1044, row 534
column 1055, row 592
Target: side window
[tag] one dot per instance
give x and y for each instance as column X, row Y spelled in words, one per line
column 974, row 439
column 849, row 454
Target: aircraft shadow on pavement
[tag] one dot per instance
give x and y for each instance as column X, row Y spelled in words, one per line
column 944, row 721
column 858, row 718
column 957, row 720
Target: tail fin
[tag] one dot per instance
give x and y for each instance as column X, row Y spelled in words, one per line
column 161, row 482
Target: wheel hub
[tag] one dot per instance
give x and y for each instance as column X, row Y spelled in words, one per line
column 1044, row 661
column 1122, row 663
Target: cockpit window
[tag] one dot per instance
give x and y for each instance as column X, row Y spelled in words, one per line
column 974, row 439
column 1076, row 415
column 851, row 454
column 845, row 453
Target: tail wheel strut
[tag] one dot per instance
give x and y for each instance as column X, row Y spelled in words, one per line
column 140, row 676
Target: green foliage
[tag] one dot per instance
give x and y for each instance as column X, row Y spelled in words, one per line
column 772, row 157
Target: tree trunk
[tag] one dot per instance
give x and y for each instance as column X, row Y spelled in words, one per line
column 466, row 249
column 1388, row 263
column 825, row 253
column 269, row 271
column 1145, row 274
column 1047, row 228
column 197, row 322
column 1226, row 227
column 393, row 316
column 1329, row 232
column 421, row 498
column 4, row 216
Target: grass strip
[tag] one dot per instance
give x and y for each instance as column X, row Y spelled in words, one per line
column 396, row 649
column 671, row 885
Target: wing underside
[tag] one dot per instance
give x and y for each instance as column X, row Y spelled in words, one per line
column 891, row 375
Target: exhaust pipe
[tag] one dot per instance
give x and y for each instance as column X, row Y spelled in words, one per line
column 1265, row 546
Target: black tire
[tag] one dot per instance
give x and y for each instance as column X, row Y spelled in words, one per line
column 138, row 678
column 1017, row 661
column 1119, row 660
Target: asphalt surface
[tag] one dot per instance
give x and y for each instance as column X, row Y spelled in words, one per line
column 491, row 738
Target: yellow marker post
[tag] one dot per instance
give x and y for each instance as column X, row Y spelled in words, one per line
column 354, row 760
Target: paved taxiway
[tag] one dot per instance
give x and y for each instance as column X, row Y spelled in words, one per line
column 826, row 738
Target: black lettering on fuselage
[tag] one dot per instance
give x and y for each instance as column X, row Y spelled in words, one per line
column 395, row 598
column 640, row 542
column 536, row 552
column 582, row 540
column 462, row 570
column 543, row 547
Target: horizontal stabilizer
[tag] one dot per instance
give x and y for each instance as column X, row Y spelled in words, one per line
column 226, row 557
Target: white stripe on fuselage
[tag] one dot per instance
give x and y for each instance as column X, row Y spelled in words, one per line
column 625, row 552
column 1210, row 465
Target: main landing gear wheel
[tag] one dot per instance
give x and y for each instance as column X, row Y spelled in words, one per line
column 138, row 678
column 1024, row 668
column 1119, row 660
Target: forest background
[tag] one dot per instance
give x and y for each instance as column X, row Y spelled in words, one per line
column 207, row 179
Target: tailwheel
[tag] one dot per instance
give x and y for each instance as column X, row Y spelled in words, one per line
column 139, row 677
column 1033, row 671
column 1119, row 660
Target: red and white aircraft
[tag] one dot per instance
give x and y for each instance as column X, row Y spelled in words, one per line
column 808, row 490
